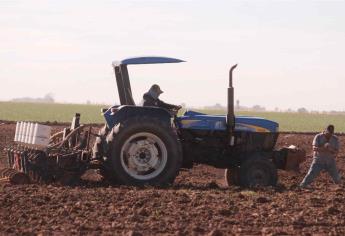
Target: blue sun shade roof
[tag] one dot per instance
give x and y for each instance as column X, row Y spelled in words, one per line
column 146, row 60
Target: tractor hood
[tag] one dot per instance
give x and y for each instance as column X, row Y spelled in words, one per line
column 200, row 121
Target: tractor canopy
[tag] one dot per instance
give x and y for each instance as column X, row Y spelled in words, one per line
column 200, row 121
column 146, row 60
column 122, row 76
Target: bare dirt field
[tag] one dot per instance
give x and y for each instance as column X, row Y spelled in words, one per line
column 198, row 203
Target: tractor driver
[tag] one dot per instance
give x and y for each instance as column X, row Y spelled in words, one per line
column 151, row 99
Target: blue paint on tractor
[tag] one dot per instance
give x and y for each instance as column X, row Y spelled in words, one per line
column 110, row 118
column 200, row 121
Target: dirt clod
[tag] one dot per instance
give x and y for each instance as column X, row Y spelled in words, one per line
column 215, row 232
column 262, row 200
column 134, row 233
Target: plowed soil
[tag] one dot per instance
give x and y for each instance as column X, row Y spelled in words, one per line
column 198, row 203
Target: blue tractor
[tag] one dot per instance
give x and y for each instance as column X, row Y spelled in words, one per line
column 142, row 145
column 150, row 145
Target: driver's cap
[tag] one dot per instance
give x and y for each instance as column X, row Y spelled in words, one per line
column 156, row 88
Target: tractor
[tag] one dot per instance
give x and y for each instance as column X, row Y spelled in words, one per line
column 143, row 145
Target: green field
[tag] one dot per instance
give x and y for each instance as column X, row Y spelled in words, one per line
column 92, row 114
column 50, row 112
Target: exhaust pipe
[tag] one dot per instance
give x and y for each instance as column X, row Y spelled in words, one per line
column 230, row 118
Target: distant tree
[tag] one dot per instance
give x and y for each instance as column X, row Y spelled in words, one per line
column 218, row 106
column 302, row 110
column 49, row 98
column 258, row 108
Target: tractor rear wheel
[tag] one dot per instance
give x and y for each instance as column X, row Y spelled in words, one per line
column 145, row 151
column 258, row 172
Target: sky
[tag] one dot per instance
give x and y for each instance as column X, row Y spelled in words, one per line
column 290, row 54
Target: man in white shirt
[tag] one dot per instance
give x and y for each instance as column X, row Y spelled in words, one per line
column 325, row 147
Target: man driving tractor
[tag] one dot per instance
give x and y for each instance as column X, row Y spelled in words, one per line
column 151, row 98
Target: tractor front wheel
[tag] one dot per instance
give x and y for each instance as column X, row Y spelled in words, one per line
column 258, row 172
column 231, row 176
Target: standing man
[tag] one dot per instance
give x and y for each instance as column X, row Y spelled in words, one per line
column 151, row 99
column 325, row 147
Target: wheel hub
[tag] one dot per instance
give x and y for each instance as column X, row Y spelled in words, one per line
column 143, row 155
column 259, row 177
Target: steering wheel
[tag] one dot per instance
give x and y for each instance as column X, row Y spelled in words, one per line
column 175, row 110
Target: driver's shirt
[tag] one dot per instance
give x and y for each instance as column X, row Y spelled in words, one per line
column 148, row 100
column 319, row 141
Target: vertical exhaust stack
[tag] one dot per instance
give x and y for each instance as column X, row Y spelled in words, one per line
column 230, row 118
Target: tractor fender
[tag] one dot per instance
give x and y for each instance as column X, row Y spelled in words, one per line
column 116, row 115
